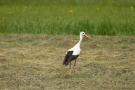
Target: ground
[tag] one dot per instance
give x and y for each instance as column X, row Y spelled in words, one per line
column 34, row 62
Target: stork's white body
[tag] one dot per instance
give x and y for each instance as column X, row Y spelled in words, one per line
column 76, row 50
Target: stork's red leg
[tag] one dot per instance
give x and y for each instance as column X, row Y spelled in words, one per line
column 70, row 68
column 75, row 67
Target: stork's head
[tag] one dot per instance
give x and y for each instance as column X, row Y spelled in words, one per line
column 83, row 34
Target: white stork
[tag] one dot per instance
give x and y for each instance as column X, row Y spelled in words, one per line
column 74, row 52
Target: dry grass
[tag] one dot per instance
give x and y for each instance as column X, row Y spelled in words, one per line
column 34, row 62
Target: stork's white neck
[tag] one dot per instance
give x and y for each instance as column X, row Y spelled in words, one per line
column 79, row 43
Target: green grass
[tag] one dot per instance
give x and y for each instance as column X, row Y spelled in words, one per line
column 68, row 17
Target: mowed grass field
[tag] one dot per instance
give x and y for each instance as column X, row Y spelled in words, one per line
column 34, row 62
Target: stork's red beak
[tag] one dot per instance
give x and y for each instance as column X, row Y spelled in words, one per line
column 87, row 36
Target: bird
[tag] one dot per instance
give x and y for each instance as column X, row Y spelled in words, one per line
column 74, row 52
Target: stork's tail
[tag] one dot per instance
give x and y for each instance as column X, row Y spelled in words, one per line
column 65, row 63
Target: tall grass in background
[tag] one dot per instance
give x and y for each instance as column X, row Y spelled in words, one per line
column 109, row 17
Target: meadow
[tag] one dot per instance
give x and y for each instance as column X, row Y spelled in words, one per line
column 107, row 17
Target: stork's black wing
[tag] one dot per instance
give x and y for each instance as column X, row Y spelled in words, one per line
column 69, row 53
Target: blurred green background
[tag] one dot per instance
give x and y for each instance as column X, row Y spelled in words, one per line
column 96, row 17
